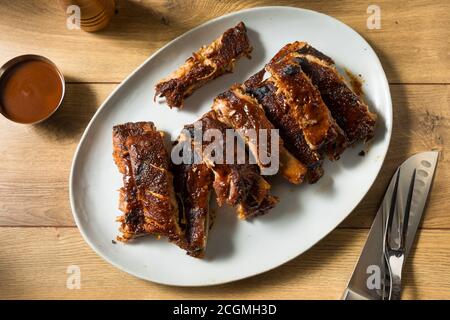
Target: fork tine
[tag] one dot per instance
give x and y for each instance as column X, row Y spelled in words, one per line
column 404, row 227
column 386, row 293
column 390, row 217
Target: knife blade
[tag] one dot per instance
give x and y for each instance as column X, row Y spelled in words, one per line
column 366, row 282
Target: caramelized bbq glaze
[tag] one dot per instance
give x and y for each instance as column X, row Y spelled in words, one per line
column 208, row 63
column 242, row 112
column 238, row 185
column 154, row 184
column 306, row 105
column 349, row 110
column 278, row 112
column 132, row 220
column 193, row 184
column 147, row 198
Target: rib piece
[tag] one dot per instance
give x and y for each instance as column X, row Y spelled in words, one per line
column 154, row 184
column 240, row 111
column 280, row 115
column 147, row 199
column 208, row 63
column 193, row 184
column 253, row 190
column 349, row 110
column 238, row 185
column 132, row 221
column 307, row 108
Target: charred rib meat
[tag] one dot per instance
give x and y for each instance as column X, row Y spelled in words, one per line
column 148, row 183
column 238, row 185
column 349, row 110
column 193, row 184
column 242, row 112
column 306, row 106
column 132, row 220
column 208, row 63
column 280, row 115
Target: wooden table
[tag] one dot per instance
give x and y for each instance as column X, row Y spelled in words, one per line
column 38, row 236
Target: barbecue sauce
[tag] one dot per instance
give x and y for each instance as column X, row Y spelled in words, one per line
column 356, row 83
column 30, row 91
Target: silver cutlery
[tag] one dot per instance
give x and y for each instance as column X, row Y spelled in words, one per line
column 394, row 238
column 377, row 274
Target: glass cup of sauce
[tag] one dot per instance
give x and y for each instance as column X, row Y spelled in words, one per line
column 31, row 89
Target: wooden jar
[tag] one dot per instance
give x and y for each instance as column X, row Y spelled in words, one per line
column 94, row 14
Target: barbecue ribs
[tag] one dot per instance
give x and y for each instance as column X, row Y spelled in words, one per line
column 193, row 184
column 132, row 220
column 349, row 110
column 208, row 63
column 147, row 198
column 238, row 185
column 242, row 112
column 280, row 115
column 306, row 107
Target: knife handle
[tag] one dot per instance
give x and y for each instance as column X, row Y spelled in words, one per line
column 351, row 295
column 396, row 288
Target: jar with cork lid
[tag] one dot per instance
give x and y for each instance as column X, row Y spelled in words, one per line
column 94, row 14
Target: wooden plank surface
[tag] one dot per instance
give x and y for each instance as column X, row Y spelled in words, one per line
column 39, row 240
column 421, row 122
column 34, row 190
column 39, row 270
column 412, row 42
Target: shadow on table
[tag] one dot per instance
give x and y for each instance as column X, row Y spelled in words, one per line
column 408, row 272
column 397, row 153
column 292, row 272
column 136, row 21
column 72, row 117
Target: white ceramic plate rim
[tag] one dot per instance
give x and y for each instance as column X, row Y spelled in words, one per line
column 388, row 121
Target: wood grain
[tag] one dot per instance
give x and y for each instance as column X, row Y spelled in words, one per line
column 421, row 122
column 36, row 160
column 412, row 42
column 39, row 240
column 38, row 269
